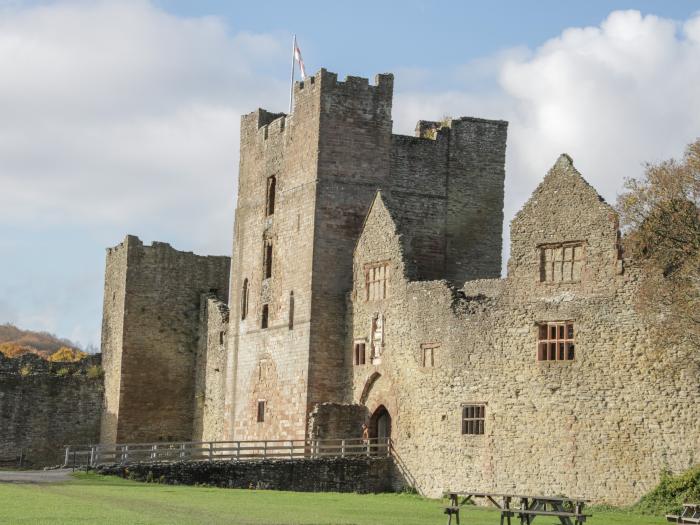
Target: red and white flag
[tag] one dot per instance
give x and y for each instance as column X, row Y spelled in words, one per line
column 300, row 61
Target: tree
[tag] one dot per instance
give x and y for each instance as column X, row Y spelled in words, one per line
column 660, row 214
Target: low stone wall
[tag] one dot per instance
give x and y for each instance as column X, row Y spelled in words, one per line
column 44, row 406
column 359, row 474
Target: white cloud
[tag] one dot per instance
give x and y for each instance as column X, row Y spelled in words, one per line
column 613, row 96
column 118, row 113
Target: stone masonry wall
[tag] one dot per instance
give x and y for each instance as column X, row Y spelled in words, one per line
column 362, row 475
column 210, row 370
column 44, row 406
column 329, row 158
column 603, row 426
column 337, row 421
column 150, row 338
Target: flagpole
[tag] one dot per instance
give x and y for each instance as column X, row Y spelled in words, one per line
column 291, row 87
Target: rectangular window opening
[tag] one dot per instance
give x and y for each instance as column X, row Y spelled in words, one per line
column 561, row 262
column 555, row 341
column 359, row 354
column 376, row 277
column 264, row 316
column 261, row 411
column 473, row 419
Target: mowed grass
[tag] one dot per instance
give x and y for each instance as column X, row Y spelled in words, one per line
column 90, row 498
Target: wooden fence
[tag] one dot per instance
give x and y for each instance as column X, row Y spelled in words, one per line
column 94, row 455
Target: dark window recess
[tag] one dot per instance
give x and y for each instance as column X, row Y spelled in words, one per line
column 261, row 411
column 555, row 341
column 213, row 290
column 291, row 310
column 221, row 338
column 267, row 260
column 270, row 201
column 359, row 353
column 473, row 417
column 264, row 316
column 244, row 300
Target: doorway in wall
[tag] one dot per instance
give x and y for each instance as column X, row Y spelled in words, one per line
column 380, row 423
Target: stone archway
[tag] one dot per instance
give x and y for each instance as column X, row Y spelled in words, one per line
column 380, row 423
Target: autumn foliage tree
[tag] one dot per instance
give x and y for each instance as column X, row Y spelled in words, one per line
column 660, row 213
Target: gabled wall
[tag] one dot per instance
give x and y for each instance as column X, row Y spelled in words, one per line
column 603, row 426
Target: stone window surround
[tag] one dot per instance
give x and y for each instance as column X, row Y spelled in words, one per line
column 473, row 418
column 427, row 354
column 569, row 265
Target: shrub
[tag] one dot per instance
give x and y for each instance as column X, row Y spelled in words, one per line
column 67, row 355
column 62, row 372
column 25, row 370
column 95, row 372
column 671, row 492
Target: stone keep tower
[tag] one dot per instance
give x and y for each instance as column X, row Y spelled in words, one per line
column 306, row 182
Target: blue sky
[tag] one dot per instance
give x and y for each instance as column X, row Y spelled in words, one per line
column 122, row 116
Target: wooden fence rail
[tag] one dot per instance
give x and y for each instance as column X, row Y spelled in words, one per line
column 94, row 455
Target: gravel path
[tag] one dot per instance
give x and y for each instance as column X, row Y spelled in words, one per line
column 34, row 476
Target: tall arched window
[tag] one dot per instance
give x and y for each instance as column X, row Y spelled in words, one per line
column 244, row 299
column 291, row 310
column 270, row 201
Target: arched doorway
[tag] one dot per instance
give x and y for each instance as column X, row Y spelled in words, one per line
column 380, row 423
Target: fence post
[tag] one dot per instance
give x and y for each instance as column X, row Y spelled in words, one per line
column 92, row 455
column 291, row 449
column 264, row 449
column 125, row 454
column 342, row 448
column 238, row 450
column 65, row 462
column 182, row 451
column 211, row 450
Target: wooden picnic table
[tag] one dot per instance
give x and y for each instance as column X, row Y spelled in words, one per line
column 525, row 507
column 690, row 514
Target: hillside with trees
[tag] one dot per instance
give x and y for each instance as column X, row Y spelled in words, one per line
column 15, row 342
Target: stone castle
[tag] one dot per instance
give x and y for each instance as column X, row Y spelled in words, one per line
column 365, row 286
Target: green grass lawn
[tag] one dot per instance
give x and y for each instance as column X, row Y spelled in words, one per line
column 91, row 498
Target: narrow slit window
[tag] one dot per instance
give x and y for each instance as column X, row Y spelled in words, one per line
column 244, row 300
column 291, row 310
column 264, row 318
column 271, row 190
column 555, row 341
column 261, row 411
column 473, row 419
column 267, row 260
column 221, row 338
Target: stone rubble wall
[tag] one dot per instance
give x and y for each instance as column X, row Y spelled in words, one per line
column 358, row 474
column 45, row 406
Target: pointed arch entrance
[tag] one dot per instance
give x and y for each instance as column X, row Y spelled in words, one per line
column 380, row 423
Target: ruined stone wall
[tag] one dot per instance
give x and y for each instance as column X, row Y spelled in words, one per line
column 210, row 370
column 603, row 426
column 357, row 474
column 337, row 421
column 159, row 333
column 45, row 406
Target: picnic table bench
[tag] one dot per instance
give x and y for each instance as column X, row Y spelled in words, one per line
column 690, row 514
column 525, row 507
